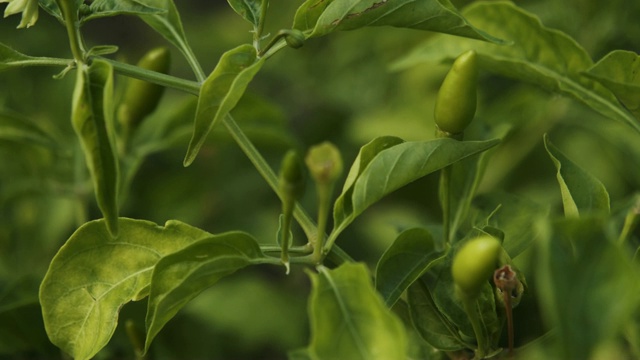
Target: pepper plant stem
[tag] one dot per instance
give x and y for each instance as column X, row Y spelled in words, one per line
column 470, row 307
column 73, row 30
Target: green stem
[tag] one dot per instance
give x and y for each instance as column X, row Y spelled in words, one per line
column 72, row 24
column 133, row 71
column 324, row 201
column 304, row 249
column 267, row 173
column 259, row 30
column 287, row 210
column 471, row 308
column 445, row 193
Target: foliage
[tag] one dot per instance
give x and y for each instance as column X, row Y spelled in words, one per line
column 548, row 170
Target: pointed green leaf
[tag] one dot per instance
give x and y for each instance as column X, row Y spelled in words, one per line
column 181, row 276
column 94, row 275
column 320, row 17
column 349, row 319
column 619, row 72
column 410, row 255
column 396, row 167
column 581, row 192
column 250, row 10
column 221, row 92
column 430, row 322
column 106, row 8
column 52, row 8
column 10, row 58
column 92, row 118
column 169, row 25
column 513, row 216
column 538, row 55
column 587, row 286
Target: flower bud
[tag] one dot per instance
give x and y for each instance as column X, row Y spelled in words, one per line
column 324, row 162
column 294, row 38
column 292, row 179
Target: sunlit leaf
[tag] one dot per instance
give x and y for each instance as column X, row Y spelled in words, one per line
column 410, row 255
column 538, row 55
column 430, row 322
column 619, row 71
column 588, row 288
column 221, row 92
column 92, row 119
column 397, row 166
column 181, row 276
column 94, row 275
column 250, row 10
column 349, row 319
column 581, row 192
column 321, row 17
column 106, row 8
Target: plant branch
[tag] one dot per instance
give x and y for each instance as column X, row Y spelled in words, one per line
column 73, row 29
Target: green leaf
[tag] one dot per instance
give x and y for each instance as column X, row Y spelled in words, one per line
column 52, row 8
column 395, row 167
column 410, row 255
column 581, row 192
column 349, row 319
column 23, row 130
column 169, row 25
column 10, row 58
column 181, row 276
column 221, row 92
column 250, row 10
column 619, row 71
column 92, row 119
column 430, row 322
column 538, row 55
column 512, row 215
column 321, row 17
column 106, row 8
column 94, row 275
column 576, row 264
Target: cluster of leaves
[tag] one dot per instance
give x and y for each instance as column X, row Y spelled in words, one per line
column 588, row 255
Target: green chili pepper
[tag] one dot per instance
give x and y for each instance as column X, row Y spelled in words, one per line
column 141, row 98
column 474, row 264
column 457, row 98
column 291, row 184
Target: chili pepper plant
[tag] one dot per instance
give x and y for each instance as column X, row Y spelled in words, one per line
column 319, row 179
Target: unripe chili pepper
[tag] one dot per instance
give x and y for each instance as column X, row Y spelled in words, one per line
column 141, row 97
column 291, row 184
column 457, row 98
column 474, row 264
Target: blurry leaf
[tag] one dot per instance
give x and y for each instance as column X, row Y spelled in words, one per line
column 221, row 92
column 169, row 25
column 539, row 55
column 396, row 167
column 349, row 319
column 10, row 58
column 581, row 192
column 587, row 286
column 181, row 276
column 619, row 72
column 321, row 17
column 94, row 275
column 512, row 215
column 52, row 8
column 250, row 10
column 105, row 8
column 410, row 255
column 92, row 119
column 463, row 182
column 23, row 130
column 429, row 322
column 22, row 330
column 299, row 354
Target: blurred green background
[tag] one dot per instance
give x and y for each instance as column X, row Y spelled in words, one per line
column 336, row 88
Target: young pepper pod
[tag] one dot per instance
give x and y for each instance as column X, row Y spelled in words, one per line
column 474, row 264
column 457, row 98
column 291, row 184
column 141, row 98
